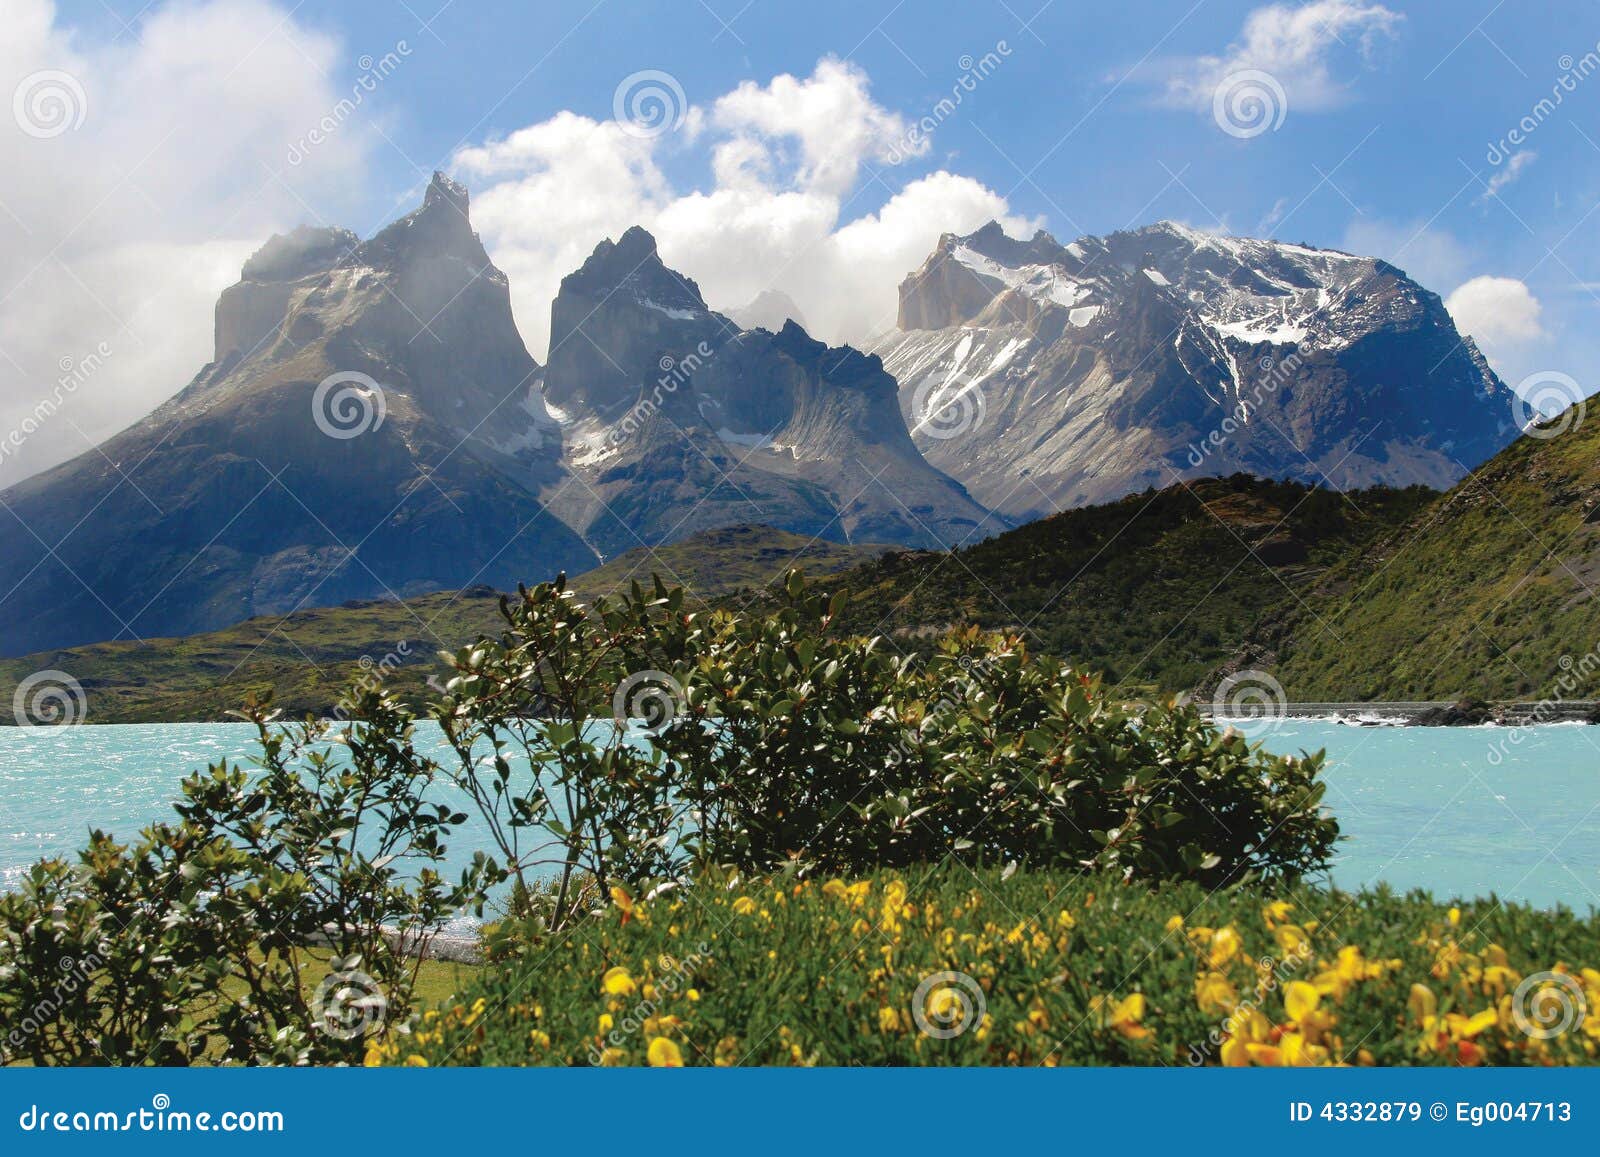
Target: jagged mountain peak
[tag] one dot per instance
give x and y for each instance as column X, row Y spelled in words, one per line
column 1105, row 365
column 444, row 191
column 304, row 250
column 440, row 227
column 632, row 263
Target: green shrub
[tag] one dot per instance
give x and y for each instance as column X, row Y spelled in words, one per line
column 251, row 930
column 949, row 967
column 780, row 741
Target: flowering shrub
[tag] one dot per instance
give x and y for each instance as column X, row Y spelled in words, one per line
column 779, row 741
column 949, row 967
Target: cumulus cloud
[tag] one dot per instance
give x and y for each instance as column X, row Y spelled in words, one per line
column 787, row 161
column 1499, row 312
column 135, row 177
column 1295, row 44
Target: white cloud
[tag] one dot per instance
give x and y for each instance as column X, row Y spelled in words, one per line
column 785, row 160
column 1431, row 257
column 124, row 229
column 1499, row 312
column 1296, row 46
column 1511, row 170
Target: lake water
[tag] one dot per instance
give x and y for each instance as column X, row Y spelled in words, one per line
column 1459, row 811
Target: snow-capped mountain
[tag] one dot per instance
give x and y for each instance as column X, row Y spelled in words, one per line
column 675, row 420
column 1045, row 375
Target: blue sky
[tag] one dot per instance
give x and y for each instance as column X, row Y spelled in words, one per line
column 1092, row 117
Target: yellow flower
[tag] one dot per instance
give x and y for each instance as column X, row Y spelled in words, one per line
column 664, row 1054
column 617, row 982
column 1066, row 920
column 1124, row 1015
column 1291, row 938
column 835, row 888
column 1455, row 917
column 888, row 1019
column 1213, row 990
column 1423, row 1004
column 1277, row 911
column 1224, row 946
column 416, row 1061
column 1235, row 1053
column 1300, row 1000
column 1265, row 1055
column 693, row 994
column 1174, row 923
column 620, row 897
column 539, row 1039
column 744, row 905
column 604, row 1024
column 612, row 1058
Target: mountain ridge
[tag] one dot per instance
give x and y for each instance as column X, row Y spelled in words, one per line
column 1045, row 375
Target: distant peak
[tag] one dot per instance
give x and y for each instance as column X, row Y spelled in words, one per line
column 632, row 259
column 299, row 253
column 993, row 231
column 442, row 190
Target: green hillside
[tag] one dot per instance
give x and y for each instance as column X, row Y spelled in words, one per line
column 1155, row 591
column 1488, row 593
column 307, row 659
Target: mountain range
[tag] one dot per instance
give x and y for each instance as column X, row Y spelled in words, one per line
column 373, row 426
column 1045, row 376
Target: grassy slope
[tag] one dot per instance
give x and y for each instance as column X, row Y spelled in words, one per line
column 1483, row 594
column 306, row 659
column 1156, row 590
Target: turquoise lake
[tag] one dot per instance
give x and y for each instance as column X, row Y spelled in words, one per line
column 1459, row 811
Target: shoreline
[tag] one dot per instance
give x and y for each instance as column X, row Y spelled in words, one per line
column 1392, row 713
column 1442, row 713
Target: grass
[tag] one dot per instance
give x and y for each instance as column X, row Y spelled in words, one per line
column 1040, row 968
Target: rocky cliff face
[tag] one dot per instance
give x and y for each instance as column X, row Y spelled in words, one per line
column 674, row 419
column 1044, row 375
column 364, row 431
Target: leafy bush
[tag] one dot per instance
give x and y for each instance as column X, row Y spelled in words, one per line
column 253, row 929
column 773, row 742
column 782, row 741
column 1052, row 968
